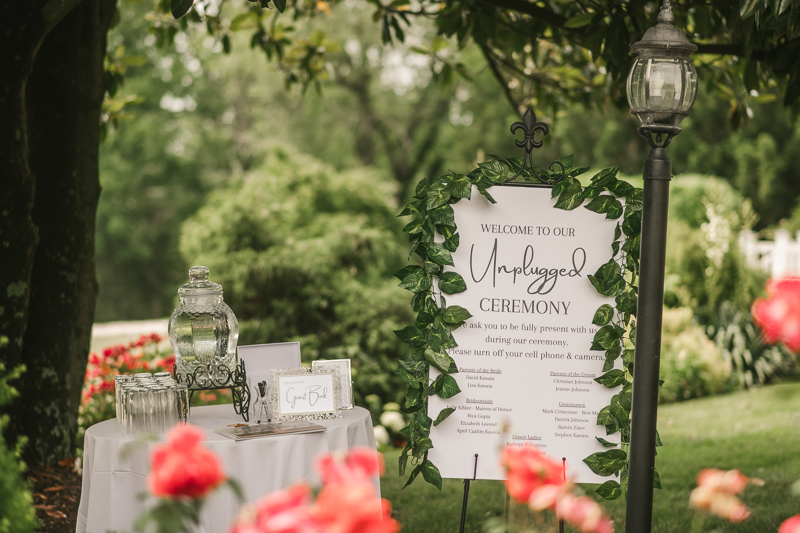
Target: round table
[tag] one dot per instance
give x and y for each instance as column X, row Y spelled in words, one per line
column 113, row 481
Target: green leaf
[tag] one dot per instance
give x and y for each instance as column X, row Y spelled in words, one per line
column 443, row 414
column 417, row 281
column 607, row 280
column 439, row 254
column 448, row 387
column 180, row 7
column 612, row 379
column 413, row 475
column 280, row 5
column 605, row 177
column 451, row 283
column 455, row 314
column 403, row 461
column 632, row 224
column 658, row 440
column 494, row 170
column 410, row 209
column 570, row 197
column 413, row 227
column 603, row 315
column 443, row 216
column 486, row 195
column 635, row 199
column 406, row 376
column 438, row 359
column 412, row 336
column 579, row 21
column 605, row 443
column 606, row 204
column 620, row 188
column 605, row 338
column 451, row 243
column 436, row 196
column 414, row 396
column 421, row 447
column 610, row 490
column 431, row 474
column 748, row 7
column 607, row 463
column 656, row 479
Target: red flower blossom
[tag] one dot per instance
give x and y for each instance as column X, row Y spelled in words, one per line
column 527, row 470
column 360, row 464
column 791, row 525
column 778, row 315
column 716, row 493
column 182, row 467
column 352, row 507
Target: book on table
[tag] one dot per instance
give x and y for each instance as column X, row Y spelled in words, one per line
column 269, row 430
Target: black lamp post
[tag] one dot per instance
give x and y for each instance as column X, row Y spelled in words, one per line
column 662, row 86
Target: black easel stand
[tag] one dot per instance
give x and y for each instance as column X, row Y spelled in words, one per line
column 466, row 496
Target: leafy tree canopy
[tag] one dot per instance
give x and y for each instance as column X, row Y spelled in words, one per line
column 558, row 51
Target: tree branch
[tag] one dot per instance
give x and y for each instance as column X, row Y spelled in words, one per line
column 55, row 10
column 528, row 8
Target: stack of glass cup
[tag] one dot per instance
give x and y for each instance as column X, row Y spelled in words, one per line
column 150, row 404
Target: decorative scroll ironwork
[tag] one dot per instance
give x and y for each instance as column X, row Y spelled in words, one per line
column 529, row 126
column 213, row 376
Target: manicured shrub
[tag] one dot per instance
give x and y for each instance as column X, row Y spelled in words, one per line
column 691, row 365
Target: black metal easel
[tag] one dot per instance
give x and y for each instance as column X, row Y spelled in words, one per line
column 466, row 495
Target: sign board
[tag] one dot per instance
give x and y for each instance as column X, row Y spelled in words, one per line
column 526, row 373
column 306, row 394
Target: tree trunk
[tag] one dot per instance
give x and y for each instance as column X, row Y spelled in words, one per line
column 60, row 113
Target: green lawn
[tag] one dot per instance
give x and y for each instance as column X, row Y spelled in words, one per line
column 757, row 432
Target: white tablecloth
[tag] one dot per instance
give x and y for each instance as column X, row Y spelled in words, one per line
column 112, row 484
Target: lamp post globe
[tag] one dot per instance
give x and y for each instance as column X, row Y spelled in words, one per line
column 662, row 83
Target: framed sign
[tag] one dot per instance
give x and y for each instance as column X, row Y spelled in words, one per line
column 344, row 374
column 524, row 359
column 306, row 394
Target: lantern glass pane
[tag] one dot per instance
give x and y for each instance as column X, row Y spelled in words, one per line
column 665, row 86
column 636, row 85
column 690, row 83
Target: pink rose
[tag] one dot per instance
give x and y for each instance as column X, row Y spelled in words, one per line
column 182, row 467
column 360, row 464
column 527, row 470
column 791, row 525
column 778, row 315
column 352, row 507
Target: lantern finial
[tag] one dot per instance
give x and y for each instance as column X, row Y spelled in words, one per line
column 665, row 15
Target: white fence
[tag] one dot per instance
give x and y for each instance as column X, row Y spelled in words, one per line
column 780, row 257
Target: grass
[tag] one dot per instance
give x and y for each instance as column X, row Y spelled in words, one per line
column 757, row 432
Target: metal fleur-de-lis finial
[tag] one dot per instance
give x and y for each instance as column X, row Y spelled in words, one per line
column 529, row 127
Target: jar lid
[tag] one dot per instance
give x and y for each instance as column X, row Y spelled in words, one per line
column 198, row 283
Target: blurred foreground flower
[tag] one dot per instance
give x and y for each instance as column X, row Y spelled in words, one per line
column 183, row 473
column 540, row 482
column 778, row 315
column 346, row 504
column 791, row 525
column 716, row 493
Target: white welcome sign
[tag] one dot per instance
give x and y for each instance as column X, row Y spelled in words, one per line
column 523, row 358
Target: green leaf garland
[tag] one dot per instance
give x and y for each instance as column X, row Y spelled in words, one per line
column 431, row 335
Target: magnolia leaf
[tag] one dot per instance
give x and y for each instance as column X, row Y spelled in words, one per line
column 451, row 283
column 180, row 7
column 431, row 474
column 443, row 414
column 456, row 314
column 603, row 315
column 611, row 379
column 610, row 490
column 607, row 463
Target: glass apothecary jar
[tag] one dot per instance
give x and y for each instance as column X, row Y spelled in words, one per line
column 204, row 332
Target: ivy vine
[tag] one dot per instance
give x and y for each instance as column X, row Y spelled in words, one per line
column 431, row 334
